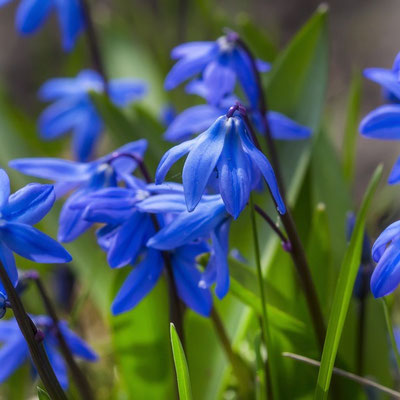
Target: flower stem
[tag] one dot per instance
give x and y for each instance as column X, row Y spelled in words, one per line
column 30, row 333
column 389, row 327
column 239, row 368
column 79, row 378
column 297, row 253
column 264, row 323
column 93, row 43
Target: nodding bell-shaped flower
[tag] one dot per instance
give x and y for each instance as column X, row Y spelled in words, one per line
column 386, row 252
column 228, row 148
column 32, row 14
column 221, row 63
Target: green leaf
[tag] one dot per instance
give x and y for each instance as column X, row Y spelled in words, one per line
column 351, row 129
column 344, row 288
column 181, row 367
column 42, row 394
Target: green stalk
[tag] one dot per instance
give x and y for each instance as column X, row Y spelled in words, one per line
column 390, row 331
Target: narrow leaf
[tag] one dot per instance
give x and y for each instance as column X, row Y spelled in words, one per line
column 181, row 367
column 344, row 288
column 42, row 394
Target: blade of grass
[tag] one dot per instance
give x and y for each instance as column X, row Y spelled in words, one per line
column 343, row 292
column 181, row 367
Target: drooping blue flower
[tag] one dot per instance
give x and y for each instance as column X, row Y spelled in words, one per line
column 386, row 252
column 74, row 111
column 221, row 64
column 208, row 220
column 18, row 212
column 32, row 14
column 227, row 147
column 15, row 352
column 127, row 229
column 82, row 179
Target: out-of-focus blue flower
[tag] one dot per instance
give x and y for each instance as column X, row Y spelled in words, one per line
column 221, row 63
column 32, row 14
column 128, row 227
column 82, row 179
column 18, row 213
column 199, row 118
column 167, row 115
column 15, row 351
column 227, row 147
column 386, row 252
column 74, row 111
column 208, row 220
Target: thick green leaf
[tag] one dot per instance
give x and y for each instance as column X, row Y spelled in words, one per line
column 351, row 129
column 181, row 367
column 343, row 292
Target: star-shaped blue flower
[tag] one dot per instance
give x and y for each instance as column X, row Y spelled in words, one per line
column 221, row 64
column 74, row 111
column 18, row 212
column 15, row 352
column 386, row 252
column 32, row 14
column 227, row 147
column 128, row 227
column 82, row 179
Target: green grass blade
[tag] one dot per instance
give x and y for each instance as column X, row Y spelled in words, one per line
column 344, row 288
column 181, row 367
column 42, row 394
column 351, row 129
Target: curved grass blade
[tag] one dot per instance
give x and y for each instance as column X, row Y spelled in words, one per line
column 182, row 370
column 343, row 292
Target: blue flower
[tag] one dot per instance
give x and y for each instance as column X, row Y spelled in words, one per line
column 227, row 147
column 386, row 252
column 18, row 213
column 82, row 179
column 221, row 63
column 199, row 118
column 15, row 351
column 32, row 14
column 128, row 227
column 208, row 220
column 74, row 111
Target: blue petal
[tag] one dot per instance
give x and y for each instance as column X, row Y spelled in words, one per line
column 71, row 21
column 124, row 91
column 32, row 244
column 9, row 329
column 174, row 203
column 171, row 157
column 77, row 346
column 12, row 355
column 4, row 188
column 186, row 68
column 219, row 77
column 31, row 14
column 187, row 278
column 392, row 232
column 128, row 240
column 8, row 261
column 263, row 66
column 30, row 204
column 57, row 88
column 382, row 123
column 189, row 226
column 262, row 163
column 384, row 77
column 193, row 120
column 4, row 2
column 61, row 117
column 86, row 136
column 386, row 276
column 58, row 365
column 284, row 128
column 202, row 159
column 192, row 49
column 234, row 175
column 52, row 168
column 71, row 222
column 139, row 282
